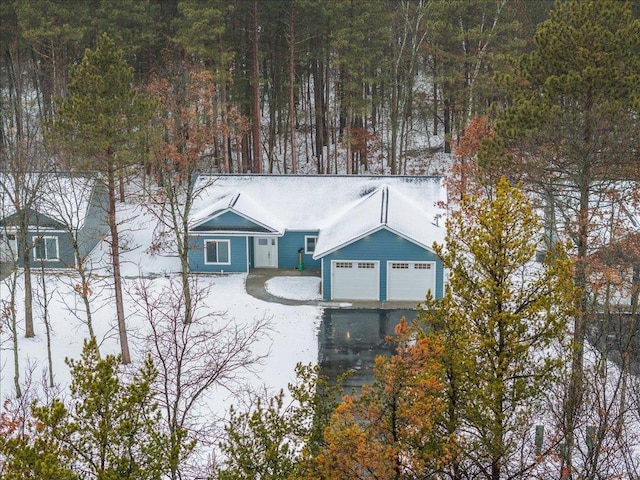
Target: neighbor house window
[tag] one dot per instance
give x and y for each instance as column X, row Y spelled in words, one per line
column 217, row 252
column 310, row 243
column 46, row 248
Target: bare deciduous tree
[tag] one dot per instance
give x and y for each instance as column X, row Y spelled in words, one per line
column 211, row 352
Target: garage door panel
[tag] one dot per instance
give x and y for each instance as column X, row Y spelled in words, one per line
column 355, row 280
column 410, row 280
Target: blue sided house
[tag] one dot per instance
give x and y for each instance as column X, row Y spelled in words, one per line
column 63, row 210
column 370, row 238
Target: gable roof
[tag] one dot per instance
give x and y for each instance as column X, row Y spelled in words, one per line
column 342, row 208
column 241, row 204
column 386, row 208
column 62, row 198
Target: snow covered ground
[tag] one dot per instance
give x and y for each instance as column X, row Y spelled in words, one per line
column 296, row 288
column 292, row 337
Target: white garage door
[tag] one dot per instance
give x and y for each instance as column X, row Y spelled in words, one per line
column 355, row 280
column 410, row 280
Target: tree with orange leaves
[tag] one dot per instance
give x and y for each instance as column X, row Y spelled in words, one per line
column 388, row 432
column 466, row 176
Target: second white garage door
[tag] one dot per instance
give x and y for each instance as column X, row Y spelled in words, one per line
column 358, row 280
column 410, row 280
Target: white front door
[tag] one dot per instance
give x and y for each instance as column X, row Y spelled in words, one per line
column 355, row 280
column 265, row 252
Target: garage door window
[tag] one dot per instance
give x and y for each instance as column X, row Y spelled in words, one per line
column 422, row 266
column 217, row 252
column 343, row 265
column 366, row 265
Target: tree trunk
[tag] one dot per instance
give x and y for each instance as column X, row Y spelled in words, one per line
column 47, row 324
column 446, row 114
column 115, row 262
column 319, row 105
column 292, row 80
column 29, row 331
column 255, row 81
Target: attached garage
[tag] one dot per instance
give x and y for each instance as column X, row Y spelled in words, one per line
column 355, row 280
column 410, row 280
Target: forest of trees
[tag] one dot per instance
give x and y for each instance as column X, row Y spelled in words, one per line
column 530, row 108
column 299, row 84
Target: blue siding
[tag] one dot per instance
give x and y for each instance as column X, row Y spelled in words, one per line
column 238, row 246
column 66, row 258
column 227, row 221
column 384, row 246
column 288, row 246
column 95, row 226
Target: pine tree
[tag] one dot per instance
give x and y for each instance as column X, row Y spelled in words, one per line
column 101, row 123
column 572, row 130
column 278, row 438
column 112, row 426
column 108, row 429
column 500, row 315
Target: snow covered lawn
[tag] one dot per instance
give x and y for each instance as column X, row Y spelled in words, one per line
column 291, row 339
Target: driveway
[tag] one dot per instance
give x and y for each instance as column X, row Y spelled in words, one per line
column 257, row 278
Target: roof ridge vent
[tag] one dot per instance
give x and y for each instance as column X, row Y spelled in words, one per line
column 384, row 211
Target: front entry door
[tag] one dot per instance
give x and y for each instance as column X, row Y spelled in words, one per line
column 265, row 252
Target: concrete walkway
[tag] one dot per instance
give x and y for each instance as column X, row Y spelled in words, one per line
column 257, row 278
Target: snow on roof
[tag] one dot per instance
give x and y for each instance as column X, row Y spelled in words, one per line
column 387, row 208
column 342, row 204
column 61, row 197
column 242, row 204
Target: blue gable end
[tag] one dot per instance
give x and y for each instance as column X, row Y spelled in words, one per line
column 288, row 246
column 230, row 221
column 382, row 246
column 235, row 246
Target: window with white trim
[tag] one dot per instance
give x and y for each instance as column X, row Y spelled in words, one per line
column 310, row 243
column 46, row 248
column 217, row 252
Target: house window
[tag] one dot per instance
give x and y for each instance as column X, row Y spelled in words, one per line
column 46, row 248
column 310, row 243
column 217, row 252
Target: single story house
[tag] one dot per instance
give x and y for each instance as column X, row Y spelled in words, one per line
column 371, row 238
column 63, row 209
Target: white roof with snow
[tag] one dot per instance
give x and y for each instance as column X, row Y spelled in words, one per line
column 342, row 208
column 386, row 208
column 62, row 198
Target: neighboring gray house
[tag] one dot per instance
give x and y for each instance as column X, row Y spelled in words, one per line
column 371, row 238
column 66, row 208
